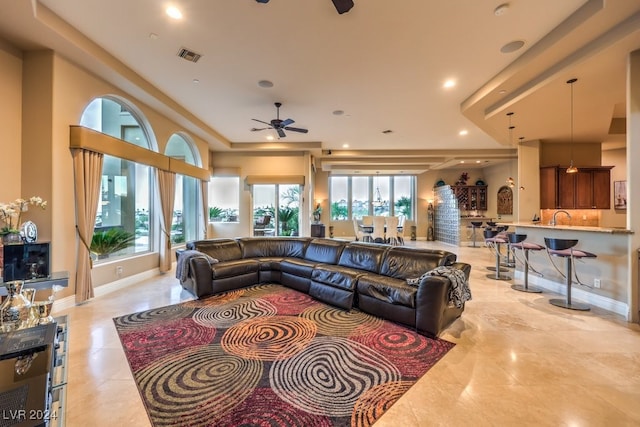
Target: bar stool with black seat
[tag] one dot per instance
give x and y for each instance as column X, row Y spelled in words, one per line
column 474, row 225
column 494, row 242
column 564, row 248
column 517, row 241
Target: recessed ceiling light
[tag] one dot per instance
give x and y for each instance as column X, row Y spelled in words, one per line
column 173, row 12
column 463, row 132
column 338, row 113
column 512, row 46
column 502, row 91
column 449, row 84
column 269, row 137
column 345, row 145
column 265, row 83
column 196, row 81
column 461, row 161
column 478, row 161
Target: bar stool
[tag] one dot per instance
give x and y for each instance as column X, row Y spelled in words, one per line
column 503, row 232
column 493, row 241
column 564, row 248
column 500, row 236
column 517, row 241
column 474, row 226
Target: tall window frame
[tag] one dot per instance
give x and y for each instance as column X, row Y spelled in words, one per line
column 125, row 218
column 185, row 223
column 353, row 196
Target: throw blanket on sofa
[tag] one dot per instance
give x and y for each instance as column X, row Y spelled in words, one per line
column 459, row 293
column 182, row 267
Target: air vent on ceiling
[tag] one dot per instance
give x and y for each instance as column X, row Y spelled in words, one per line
column 189, row 55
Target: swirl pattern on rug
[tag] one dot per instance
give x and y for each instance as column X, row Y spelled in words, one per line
column 336, row 322
column 227, row 315
column 269, row 338
column 413, row 354
column 270, row 356
column 264, row 408
column 328, row 377
column 290, row 301
column 143, row 318
column 144, row 346
column 197, row 385
column 375, row 402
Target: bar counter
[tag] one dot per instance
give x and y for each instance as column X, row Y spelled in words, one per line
column 612, row 247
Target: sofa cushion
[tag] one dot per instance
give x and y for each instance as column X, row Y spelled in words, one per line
column 324, row 251
column 297, row 267
column 407, row 263
column 336, row 276
column 220, row 249
column 263, row 247
column 234, row 268
column 363, row 256
column 387, row 289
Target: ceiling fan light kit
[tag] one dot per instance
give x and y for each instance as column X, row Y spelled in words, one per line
column 279, row 125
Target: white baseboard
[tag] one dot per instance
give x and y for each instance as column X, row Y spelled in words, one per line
column 596, row 300
column 70, row 301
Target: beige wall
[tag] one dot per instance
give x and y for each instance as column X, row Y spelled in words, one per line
column 559, row 153
column 10, row 122
column 618, row 159
column 53, row 93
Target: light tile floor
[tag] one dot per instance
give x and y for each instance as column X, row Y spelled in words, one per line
column 518, row 361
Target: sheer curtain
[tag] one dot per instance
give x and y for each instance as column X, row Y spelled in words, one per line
column 87, row 169
column 204, row 189
column 167, row 189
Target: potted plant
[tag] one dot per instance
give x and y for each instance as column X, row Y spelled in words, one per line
column 106, row 242
column 215, row 213
column 316, row 213
column 11, row 213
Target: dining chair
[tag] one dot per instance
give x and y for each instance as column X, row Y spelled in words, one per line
column 357, row 230
column 367, row 220
column 393, row 237
column 378, row 235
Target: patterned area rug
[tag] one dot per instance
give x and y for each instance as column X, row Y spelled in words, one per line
column 270, row 356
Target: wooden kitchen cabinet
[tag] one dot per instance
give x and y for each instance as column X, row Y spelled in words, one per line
column 589, row 188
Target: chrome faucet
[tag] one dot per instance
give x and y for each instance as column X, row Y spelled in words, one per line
column 553, row 221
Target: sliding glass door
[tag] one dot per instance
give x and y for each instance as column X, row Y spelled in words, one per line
column 276, row 209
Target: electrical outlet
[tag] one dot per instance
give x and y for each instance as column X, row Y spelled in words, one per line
column 119, row 270
column 596, row 283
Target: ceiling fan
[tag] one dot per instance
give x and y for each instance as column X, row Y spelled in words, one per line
column 279, row 125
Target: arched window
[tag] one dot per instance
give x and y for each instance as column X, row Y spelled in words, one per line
column 186, row 206
column 124, row 220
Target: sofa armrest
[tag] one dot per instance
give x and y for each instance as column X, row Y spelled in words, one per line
column 433, row 311
column 199, row 281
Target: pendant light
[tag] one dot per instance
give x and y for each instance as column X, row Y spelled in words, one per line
column 377, row 201
column 510, row 182
column 571, row 168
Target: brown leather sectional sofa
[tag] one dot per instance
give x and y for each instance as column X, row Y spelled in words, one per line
column 371, row 277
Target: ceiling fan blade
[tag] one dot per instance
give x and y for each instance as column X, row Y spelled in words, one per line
column 287, row 122
column 257, row 129
column 297, row 129
column 266, row 123
column 281, row 133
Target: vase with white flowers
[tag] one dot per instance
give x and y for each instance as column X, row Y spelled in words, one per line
column 11, row 216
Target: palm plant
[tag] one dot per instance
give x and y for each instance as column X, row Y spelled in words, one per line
column 106, row 242
column 288, row 218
